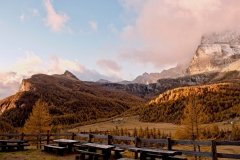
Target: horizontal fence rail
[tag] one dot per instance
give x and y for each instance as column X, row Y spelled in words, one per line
column 169, row 143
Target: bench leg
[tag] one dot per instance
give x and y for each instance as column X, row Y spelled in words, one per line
column 117, row 155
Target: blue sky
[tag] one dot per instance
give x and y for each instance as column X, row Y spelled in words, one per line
column 111, row 39
column 90, row 32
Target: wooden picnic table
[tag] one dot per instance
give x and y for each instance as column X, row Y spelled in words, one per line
column 11, row 143
column 105, row 149
column 152, row 153
column 66, row 143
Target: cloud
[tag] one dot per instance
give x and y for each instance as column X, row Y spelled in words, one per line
column 165, row 32
column 30, row 13
column 8, row 83
column 93, row 25
column 31, row 64
column 56, row 21
column 110, row 67
column 22, row 17
column 35, row 12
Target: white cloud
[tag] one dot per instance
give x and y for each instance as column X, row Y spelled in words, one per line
column 93, row 25
column 35, row 12
column 110, row 67
column 22, row 17
column 31, row 64
column 56, row 21
column 169, row 31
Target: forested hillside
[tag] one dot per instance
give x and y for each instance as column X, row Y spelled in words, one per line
column 219, row 101
column 70, row 100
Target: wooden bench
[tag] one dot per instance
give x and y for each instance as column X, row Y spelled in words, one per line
column 80, row 147
column 177, row 158
column 92, row 155
column 59, row 150
column 11, row 147
column 126, row 159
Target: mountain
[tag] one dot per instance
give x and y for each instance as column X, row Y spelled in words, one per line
column 217, row 53
column 218, row 102
column 70, row 100
column 147, row 78
column 103, row 81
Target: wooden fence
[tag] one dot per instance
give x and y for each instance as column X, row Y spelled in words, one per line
column 169, row 144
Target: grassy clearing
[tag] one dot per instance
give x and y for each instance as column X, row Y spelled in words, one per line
column 133, row 122
column 33, row 154
column 128, row 123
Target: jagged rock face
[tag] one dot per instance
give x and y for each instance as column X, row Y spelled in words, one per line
column 147, row 78
column 216, row 53
column 26, row 86
column 69, row 75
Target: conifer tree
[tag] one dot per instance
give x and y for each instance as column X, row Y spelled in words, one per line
column 39, row 120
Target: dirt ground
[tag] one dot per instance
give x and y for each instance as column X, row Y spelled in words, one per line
column 33, row 154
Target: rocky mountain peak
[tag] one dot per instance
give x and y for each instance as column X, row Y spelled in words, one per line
column 216, row 53
column 70, row 75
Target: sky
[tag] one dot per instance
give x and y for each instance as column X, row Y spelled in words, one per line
column 104, row 39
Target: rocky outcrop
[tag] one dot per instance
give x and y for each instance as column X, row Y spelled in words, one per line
column 216, row 53
column 147, row 78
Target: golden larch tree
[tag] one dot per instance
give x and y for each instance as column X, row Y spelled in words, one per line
column 39, row 120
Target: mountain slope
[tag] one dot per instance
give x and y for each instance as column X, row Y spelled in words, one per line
column 217, row 53
column 219, row 101
column 70, row 100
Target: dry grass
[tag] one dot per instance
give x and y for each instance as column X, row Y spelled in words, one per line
column 133, row 122
column 128, row 123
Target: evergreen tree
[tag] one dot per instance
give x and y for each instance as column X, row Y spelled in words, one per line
column 39, row 120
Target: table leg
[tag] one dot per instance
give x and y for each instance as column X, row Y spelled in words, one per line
column 70, row 148
column 106, row 154
column 4, row 146
column 142, row 155
column 91, row 150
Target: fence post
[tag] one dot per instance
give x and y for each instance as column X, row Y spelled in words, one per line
column 38, row 140
column 137, row 144
column 73, row 135
column 109, row 139
column 214, row 150
column 22, row 136
column 169, row 143
column 90, row 138
column 48, row 137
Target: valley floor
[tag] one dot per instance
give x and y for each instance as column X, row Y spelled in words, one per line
column 127, row 123
column 133, row 122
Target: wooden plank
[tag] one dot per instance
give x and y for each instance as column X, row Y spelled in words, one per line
column 155, row 141
column 123, row 146
column 190, row 142
column 100, row 136
column 124, row 138
column 10, row 134
column 88, row 152
column 82, row 135
column 226, row 155
column 61, row 134
column 228, row 143
column 194, row 153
